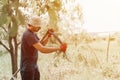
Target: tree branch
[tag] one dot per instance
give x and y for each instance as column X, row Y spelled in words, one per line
column 4, row 29
column 1, row 43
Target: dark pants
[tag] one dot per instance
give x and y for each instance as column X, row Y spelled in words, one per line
column 30, row 75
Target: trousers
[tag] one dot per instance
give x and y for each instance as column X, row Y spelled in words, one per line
column 30, row 75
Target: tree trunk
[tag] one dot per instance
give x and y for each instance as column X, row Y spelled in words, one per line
column 16, row 53
column 13, row 54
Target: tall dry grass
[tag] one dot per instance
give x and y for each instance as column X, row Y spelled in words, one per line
column 86, row 60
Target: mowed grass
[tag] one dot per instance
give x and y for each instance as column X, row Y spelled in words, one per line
column 86, row 60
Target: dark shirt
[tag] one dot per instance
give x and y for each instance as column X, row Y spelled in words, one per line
column 29, row 54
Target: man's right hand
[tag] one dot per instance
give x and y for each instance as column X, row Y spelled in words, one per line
column 63, row 47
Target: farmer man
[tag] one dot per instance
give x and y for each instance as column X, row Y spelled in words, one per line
column 30, row 45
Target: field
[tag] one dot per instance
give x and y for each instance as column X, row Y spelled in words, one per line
column 87, row 58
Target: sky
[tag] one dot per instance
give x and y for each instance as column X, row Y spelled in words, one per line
column 101, row 15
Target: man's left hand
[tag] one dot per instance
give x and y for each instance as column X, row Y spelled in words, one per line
column 49, row 32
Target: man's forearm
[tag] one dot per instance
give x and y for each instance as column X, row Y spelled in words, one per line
column 44, row 41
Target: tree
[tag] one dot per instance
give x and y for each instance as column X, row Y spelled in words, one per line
column 10, row 19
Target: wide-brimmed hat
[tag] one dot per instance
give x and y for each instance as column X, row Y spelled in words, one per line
column 34, row 21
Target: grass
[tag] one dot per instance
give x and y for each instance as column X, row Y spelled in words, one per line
column 87, row 61
column 5, row 67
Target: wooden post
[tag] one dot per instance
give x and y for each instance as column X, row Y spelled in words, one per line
column 108, row 46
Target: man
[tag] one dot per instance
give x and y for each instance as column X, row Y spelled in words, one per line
column 29, row 49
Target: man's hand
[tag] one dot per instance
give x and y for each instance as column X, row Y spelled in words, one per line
column 49, row 32
column 63, row 47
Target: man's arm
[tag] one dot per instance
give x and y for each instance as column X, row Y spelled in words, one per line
column 46, row 37
column 45, row 49
column 44, row 41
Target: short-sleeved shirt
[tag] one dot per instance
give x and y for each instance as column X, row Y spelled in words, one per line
column 29, row 54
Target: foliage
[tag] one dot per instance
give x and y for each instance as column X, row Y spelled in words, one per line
column 55, row 12
column 10, row 15
column 42, row 7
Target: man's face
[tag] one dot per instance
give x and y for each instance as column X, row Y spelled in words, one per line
column 35, row 28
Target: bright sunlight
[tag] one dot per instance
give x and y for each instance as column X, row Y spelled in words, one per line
column 101, row 15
